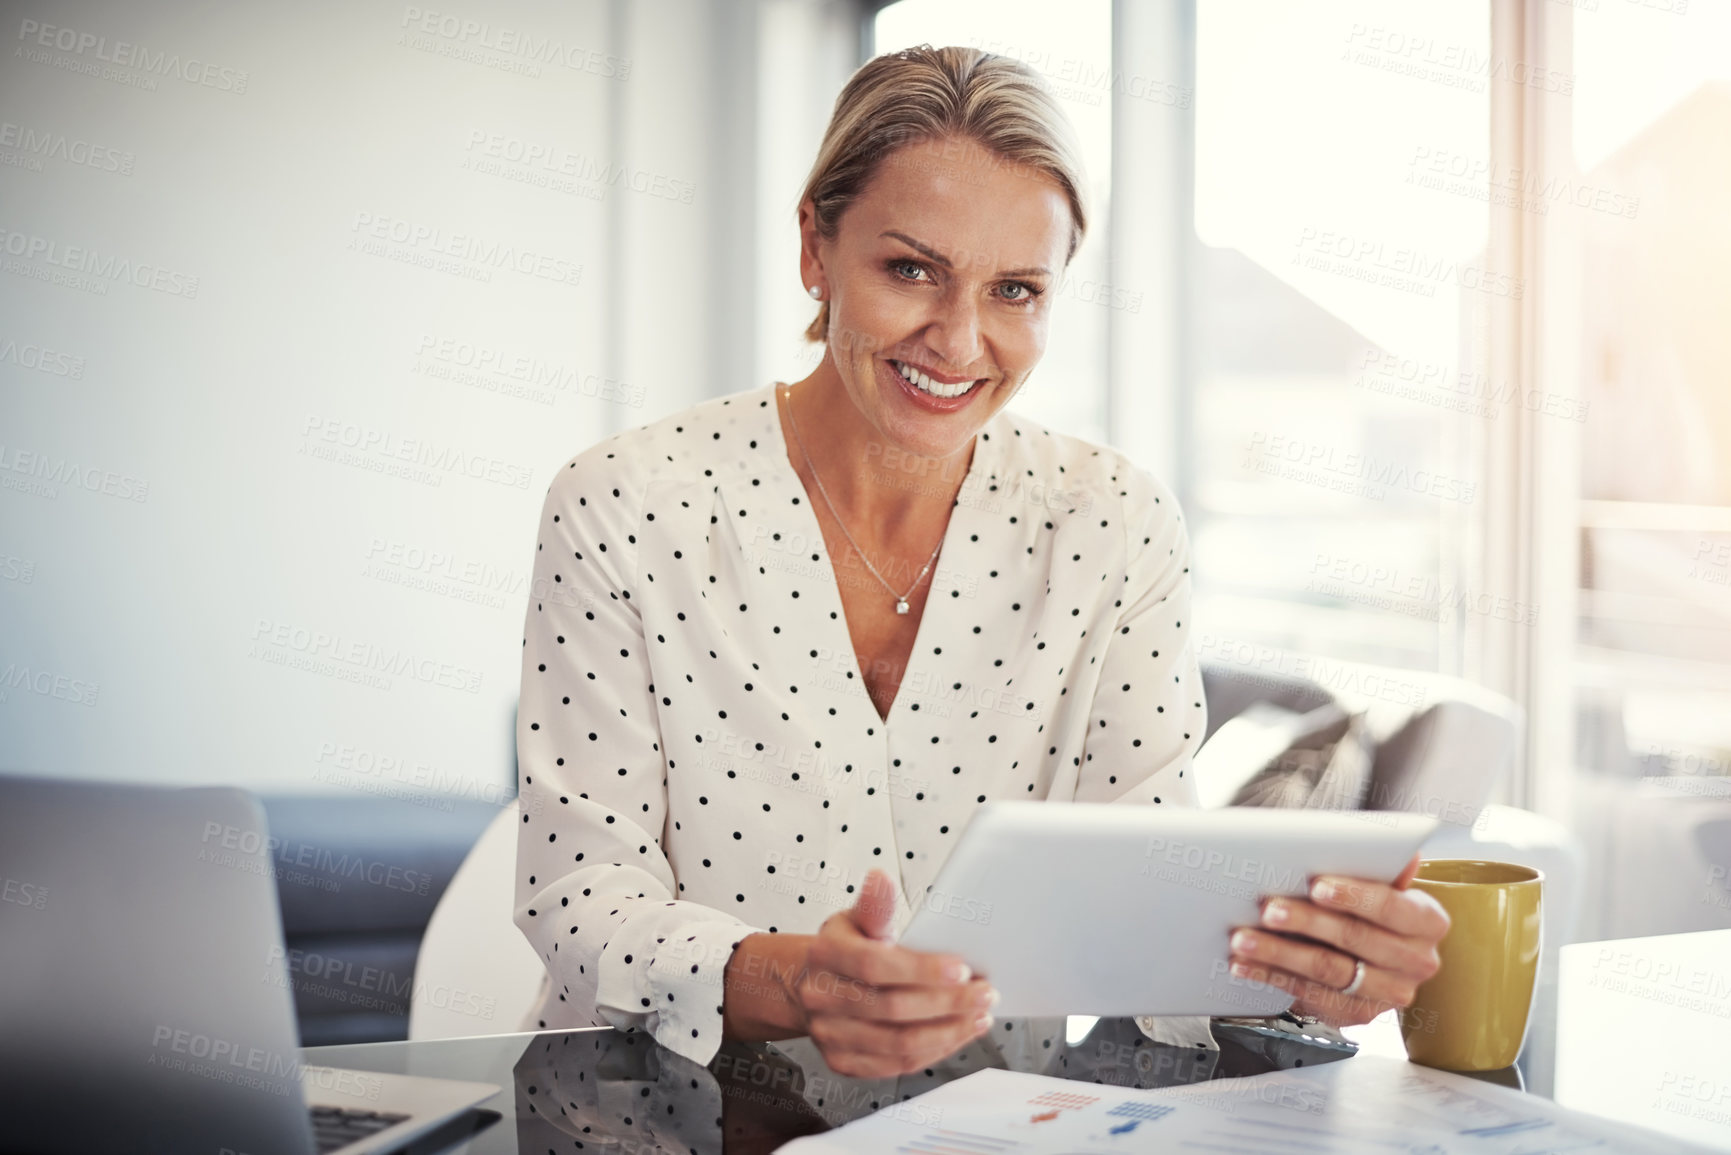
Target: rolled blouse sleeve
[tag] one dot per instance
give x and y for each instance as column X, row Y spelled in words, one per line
column 595, row 893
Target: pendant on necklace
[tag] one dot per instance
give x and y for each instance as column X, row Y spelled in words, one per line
column 901, row 605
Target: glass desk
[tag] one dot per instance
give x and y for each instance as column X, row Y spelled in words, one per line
column 598, row 1089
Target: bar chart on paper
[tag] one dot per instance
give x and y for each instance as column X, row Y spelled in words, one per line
column 1366, row 1105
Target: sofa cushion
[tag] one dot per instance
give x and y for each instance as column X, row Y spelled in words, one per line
column 1441, row 743
column 357, row 879
column 344, row 984
column 1267, row 755
column 1231, row 689
column 1444, row 762
column 1326, row 767
column 365, row 865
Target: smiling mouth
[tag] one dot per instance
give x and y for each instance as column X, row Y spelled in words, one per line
column 926, row 385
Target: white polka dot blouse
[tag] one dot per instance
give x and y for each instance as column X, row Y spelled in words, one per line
column 698, row 758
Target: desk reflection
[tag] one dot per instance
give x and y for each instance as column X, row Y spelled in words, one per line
column 623, row 1092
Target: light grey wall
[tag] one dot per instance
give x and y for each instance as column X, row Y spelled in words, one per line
column 300, row 308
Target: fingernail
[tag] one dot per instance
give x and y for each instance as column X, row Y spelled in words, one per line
column 1276, row 913
column 1324, row 891
column 1243, row 942
column 989, row 999
column 983, row 1023
column 960, row 972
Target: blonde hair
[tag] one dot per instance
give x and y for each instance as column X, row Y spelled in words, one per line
column 995, row 103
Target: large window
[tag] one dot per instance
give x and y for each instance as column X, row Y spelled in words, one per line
column 1330, row 281
column 1443, row 288
column 1338, row 264
column 1652, row 670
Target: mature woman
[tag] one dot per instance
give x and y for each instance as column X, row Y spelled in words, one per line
column 795, row 636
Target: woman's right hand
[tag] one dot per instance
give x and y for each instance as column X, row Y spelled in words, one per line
column 875, row 1009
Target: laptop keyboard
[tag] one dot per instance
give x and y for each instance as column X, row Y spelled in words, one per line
column 337, row 1127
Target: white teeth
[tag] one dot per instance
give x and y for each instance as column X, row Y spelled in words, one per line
column 926, row 384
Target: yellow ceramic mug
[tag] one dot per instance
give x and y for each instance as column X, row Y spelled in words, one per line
column 1472, row 1015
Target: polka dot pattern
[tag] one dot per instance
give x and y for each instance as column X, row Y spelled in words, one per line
column 698, row 756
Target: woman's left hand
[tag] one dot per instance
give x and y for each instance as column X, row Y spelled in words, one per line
column 1312, row 947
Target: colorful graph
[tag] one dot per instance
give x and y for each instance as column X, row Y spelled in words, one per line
column 943, row 1142
column 1063, row 1100
column 1140, row 1111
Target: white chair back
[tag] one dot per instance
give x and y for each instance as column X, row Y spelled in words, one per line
column 476, row 974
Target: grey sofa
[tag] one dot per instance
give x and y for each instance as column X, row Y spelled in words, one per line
column 1442, row 745
column 357, row 880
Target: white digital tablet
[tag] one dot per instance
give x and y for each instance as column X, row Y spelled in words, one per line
column 1096, row 909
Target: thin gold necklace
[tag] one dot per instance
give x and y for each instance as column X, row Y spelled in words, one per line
column 901, row 599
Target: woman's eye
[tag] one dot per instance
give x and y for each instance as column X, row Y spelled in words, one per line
column 901, row 268
column 1026, row 295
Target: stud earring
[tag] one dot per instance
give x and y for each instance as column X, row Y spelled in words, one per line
column 816, row 293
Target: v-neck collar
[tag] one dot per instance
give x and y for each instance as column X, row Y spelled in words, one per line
column 981, row 477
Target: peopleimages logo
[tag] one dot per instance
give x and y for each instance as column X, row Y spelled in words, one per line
column 90, row 262
column 53, row 362
column 361, row 986
column 373, row 230
column 1451, row 65
column 23, row 893
column 1362, row 474
column 387, row 447
column 226, row 845
column 48, row 684
column 961, row 907
column 273, row 640
column 528, row 47
column 43, row 144
column 557, row 161
column 197, row 1045
column 374, row 772
column 35, row 35
column 450, row 357
column 1532, row 190
column 1397, row 266
column 42, row 473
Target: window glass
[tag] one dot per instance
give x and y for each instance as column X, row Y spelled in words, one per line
column 1338, row 268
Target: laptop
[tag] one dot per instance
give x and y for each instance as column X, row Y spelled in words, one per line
column 145, row 1003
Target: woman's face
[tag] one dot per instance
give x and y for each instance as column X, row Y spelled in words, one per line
column 946, row 264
